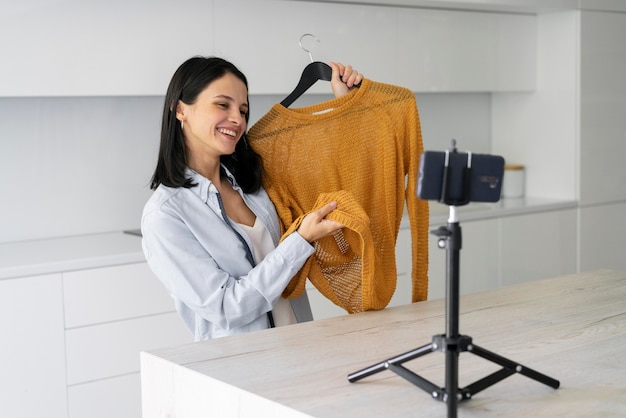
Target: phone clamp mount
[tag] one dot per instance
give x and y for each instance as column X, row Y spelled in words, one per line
column 452, row 343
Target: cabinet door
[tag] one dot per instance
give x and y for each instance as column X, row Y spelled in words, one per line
column 265, row 44
column 537, row 246
column 478, row 259
column 32, row 351
column 109, row 350
column 108, row 294
column 602, row 107
column 465, row 51
column 107, row 398
column 88, row 47
column 603, row 237
column 111, row 315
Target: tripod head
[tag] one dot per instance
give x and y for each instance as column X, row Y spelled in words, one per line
column 458, row 178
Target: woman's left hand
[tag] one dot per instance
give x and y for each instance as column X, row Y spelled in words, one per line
column 344, row 78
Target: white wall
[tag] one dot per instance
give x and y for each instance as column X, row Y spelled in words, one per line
column 82, row 165
column 71, row 166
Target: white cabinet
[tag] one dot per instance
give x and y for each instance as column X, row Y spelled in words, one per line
column 537, row 246
column 112, row 314
column 91, row 47
column 32, row 351
column 110, row 294
column 266, row 43
column 117, row 48
column 602, row 107
column 574, row 147
column 496, row 251
column 602, row 144
column 108, row 350
column 509, row 249
column 71, row 341
column 425, row 50
column 478, row 261
column 106, row 398
column 603, row 237
column 465, row 51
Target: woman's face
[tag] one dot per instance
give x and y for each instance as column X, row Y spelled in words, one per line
column 216, row 121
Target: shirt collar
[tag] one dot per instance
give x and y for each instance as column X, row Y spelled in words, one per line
column 205, row 187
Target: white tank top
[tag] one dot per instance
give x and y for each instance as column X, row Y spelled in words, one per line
column 262, row 245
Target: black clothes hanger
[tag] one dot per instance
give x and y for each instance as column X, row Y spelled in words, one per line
column 312, row 73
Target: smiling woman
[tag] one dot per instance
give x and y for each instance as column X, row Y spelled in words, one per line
column 213, row 124
column 210, row 232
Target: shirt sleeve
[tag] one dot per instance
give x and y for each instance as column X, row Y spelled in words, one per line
column 209, row 273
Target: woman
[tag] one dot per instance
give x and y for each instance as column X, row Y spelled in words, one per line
column 210, row 232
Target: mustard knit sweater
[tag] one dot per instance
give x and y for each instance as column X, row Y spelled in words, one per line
column 361, row 150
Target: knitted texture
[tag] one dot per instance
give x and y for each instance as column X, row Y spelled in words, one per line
column 368, row 144
column 343, row 267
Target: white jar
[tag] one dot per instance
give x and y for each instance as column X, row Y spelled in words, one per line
column 513, row 182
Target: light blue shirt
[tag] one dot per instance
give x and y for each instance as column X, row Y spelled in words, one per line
column 204, row 259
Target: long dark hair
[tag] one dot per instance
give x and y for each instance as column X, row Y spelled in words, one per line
column 189, row 80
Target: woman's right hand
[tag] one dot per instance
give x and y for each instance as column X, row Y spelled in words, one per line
column 314, row 225
column 344, row 78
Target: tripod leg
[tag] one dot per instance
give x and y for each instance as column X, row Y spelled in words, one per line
column 485, row 382
column 452, row 382
column 424, row 384
column 384, row 365
column 512, row 367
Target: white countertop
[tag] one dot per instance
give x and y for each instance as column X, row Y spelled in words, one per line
column 505, row 207
column 571, row 328
column 29, row 258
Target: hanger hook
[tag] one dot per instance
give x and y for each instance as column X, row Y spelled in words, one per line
column 306, row 50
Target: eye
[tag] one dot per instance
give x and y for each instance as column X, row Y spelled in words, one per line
column 243, row 112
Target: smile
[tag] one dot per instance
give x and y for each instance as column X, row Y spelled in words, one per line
column 227, row 132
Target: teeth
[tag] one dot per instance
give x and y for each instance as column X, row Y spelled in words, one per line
column 227, row 132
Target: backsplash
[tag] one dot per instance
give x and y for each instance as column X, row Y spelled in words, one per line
column 82, row 165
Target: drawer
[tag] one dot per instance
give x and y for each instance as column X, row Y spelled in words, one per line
column 112, row 349
column 115, row 397
column 107, row 294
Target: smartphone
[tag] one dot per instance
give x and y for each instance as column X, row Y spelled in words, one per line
column 457, row 178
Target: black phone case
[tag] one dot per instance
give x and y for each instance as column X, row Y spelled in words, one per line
column 457, row 184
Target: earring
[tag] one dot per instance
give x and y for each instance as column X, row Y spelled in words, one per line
column 182, row 124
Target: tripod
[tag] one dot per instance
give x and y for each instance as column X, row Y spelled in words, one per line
column 452, row 343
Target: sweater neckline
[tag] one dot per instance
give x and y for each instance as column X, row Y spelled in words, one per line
column 326, row 109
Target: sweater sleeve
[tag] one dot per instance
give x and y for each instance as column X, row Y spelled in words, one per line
column 418, row 210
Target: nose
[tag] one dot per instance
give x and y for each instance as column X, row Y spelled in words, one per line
column 237, row 117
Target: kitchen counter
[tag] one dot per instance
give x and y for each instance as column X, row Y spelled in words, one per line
column 29, row 258
column 571, row 328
